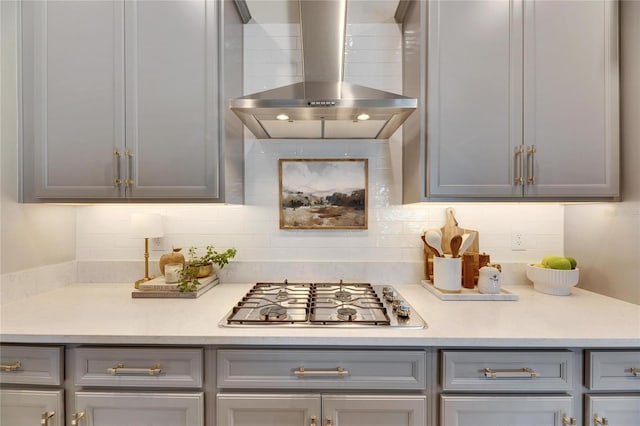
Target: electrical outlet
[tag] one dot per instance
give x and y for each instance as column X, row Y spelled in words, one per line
column 518, row 240
column 156, row 244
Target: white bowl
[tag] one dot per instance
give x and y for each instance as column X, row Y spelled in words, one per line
column 553, row 281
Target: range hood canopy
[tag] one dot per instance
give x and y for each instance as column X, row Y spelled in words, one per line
column 323, row 106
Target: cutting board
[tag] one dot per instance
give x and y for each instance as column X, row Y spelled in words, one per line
column 451, row 228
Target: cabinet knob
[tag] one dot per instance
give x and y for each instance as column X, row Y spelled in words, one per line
column 327, row 421
column 569, row 421
column 312, row 421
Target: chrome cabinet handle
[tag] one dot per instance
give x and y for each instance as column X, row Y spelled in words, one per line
column 510, row 374
column 300, row 372
column 312, row 421
column 117, row 181
column 634, row 371
column 517, row 166
column 531, row 154
column 569, row 421
column 46, row 416
column 76, row 418
column 120, row 369
column 600, row 421
column 11, row 367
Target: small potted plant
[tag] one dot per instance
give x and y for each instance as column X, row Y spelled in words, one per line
column 201, row 266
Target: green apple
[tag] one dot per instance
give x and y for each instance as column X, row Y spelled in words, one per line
column 559, row 263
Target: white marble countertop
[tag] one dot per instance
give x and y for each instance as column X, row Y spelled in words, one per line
column 106, row 314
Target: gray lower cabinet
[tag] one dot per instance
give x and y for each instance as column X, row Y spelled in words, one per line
column 121, row 100
column 131, row 386
column 116, row 408
column 616, row 372
column 612, row 409
column 266, row 409
column 341, row 387
column 28, row 407
column 31, row 378
column 506, row 410
column 507, row 388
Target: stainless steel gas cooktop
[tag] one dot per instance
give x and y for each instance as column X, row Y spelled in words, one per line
column 323, row 305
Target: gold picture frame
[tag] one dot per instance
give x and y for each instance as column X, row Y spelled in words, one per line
column 323, row 193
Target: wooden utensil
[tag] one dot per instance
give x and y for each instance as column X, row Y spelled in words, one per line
column 451, row 228
column 434, row 241
column 466, row 241
column 455, row 243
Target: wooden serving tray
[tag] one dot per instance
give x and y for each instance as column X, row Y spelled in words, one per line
column 468, row 294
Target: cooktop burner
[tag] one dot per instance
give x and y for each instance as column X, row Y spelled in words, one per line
column 321, row 305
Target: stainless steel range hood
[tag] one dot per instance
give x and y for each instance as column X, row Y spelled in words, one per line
column 323, row 106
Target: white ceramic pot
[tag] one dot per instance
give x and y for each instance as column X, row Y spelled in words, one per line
column 489, row 280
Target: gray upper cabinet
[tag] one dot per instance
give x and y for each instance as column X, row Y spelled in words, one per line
column 521, row 100
column 122, row 101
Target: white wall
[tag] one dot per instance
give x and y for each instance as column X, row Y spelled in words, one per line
column 606, row 237
column 31, row 235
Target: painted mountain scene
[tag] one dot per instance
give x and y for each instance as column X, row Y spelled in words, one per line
column 323, row 194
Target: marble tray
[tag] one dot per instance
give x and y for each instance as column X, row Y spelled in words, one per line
column 468, row 294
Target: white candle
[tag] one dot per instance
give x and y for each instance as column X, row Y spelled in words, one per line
column 172, row 272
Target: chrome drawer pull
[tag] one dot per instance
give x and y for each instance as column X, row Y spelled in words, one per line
column 600, row 421
column 76, row 417
column 11, row 367
column 634, row 371
column 569, row 421
column 120, row 369
column 46, row 416
column 338, row 372
column 510, row 374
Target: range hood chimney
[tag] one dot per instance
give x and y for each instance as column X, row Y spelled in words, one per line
column 323, row 106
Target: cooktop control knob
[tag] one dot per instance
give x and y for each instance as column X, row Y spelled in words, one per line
column 403, row 311
column 396, row 302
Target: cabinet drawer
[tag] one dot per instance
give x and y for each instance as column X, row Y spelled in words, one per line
column 321, row 369
column 495, row 371
column 139, row 367
column 612, row 370
column 139, row 408
column 32, row 365
column 521, row 410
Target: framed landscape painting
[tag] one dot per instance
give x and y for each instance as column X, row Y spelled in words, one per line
column 323, row 193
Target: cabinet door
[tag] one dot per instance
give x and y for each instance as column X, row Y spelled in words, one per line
column 374, row 410
column 268, row 409
column 526, row 410
column 22, row 407
column 135, row 409
column 73, row 98
column 571, row 97
column 618, row 410
column 172, row 116
column 474, row 98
